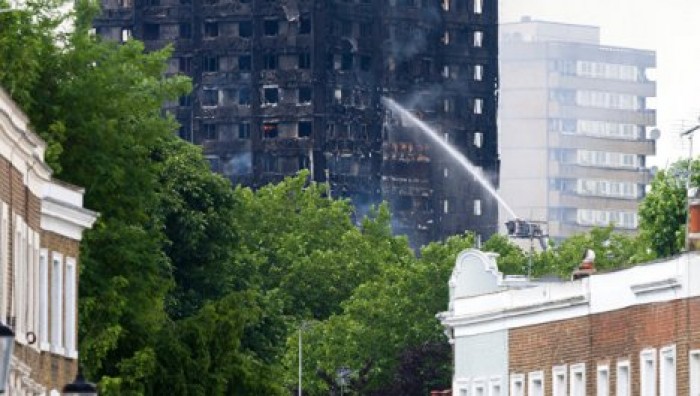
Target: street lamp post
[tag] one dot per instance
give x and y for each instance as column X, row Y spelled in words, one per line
column 80, row 387
column 689, row 133
column 7, row 345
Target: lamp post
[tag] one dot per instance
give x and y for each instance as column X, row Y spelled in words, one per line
column 689, row 133
column 80, row 387
column 7, row 345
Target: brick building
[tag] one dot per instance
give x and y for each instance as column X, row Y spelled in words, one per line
column 286, row 85
column 41, row 223
column 631, row 332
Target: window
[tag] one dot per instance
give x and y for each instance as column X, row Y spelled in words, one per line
column 478, row 6
column 245, row 29
column 244, row 130
column 126, row 35
column 4, row 245
column 365, row 62
column 71, row 306
column 446, row 5
column 211, row 29
column 270, row 130
column 210, row 97
column 304, row 95
column 57, row 304
column 517, row 385
column 667, row 382
column 559, row 381
column 623, row 386
column 479, row 388
column 495, row 387
column 478, row 72
column 304, row 60
column 44, row 300
column 478, row 106
column 20, row 266
column 535, row 386
column 185, row 64
column 578, row 380
column 270, row 61
column 271, row 27
column 478, row 38
column 304, row 128
column 209, row 132
column 446, row 206
column 305, row 24
column 244, row 96
column 603, row 381
column 694, row 373
column 647, row 376
column 478, row 139
column 244, row 63
column 151, row 31
column 477, row 207
column 185, row 30
column 271, row 95
column 365, row 30
column 346, row 62
column 211, row 64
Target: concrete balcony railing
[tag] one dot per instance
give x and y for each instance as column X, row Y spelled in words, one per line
column 574, row 171
column 572, row 200
column 640, row 147
column 638, row 117
column 638, row 88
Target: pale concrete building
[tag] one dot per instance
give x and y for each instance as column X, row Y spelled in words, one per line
column 575, row 126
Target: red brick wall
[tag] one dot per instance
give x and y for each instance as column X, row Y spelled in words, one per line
column 607, row 338
column 48, row 369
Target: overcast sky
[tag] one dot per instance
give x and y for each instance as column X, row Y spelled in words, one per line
column 669, row 27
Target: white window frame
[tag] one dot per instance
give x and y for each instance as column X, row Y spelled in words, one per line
column 603, row 380
column 478, row 106
column 694, row 372
column 71, row 302
column 4, row 246
column 577, row 371
column 478, row 72
column 478, row 39
column 478, row 7
column 495, row 386
column 533, row 378
column 479, row 387
column 667, row 371
column 623, row 388
column 517, row 385
column 559, row 380
column 477, row 207
column 44, row 300
column 57, row 303
column 478, row 139
column 462, row 385
column 19, row 267
column 647, row 372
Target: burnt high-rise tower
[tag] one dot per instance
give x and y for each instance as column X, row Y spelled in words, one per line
column 281, row 85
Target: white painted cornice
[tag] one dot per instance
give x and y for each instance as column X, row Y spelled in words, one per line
column 65, row 219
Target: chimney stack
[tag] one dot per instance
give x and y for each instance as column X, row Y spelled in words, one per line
column 587, row 266
column 693, row 237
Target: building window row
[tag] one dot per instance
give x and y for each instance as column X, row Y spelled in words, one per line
column 492, row 386
column 607, row 159
column 477, row 5
column 41, row 301
column 608, row 100
column 592, row 128
column 603, row 218
column 607, row 188
column 611, row 71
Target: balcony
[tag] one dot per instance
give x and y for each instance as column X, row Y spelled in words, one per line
column 640, row 147
column 574, row 171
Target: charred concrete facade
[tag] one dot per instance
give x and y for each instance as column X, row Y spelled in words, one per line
column 286, row 85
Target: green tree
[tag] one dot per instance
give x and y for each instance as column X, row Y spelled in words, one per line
column 663, row 211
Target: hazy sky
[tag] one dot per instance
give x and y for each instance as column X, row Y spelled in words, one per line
column 669, row 27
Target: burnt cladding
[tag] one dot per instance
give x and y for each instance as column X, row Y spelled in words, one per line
column 285, row 85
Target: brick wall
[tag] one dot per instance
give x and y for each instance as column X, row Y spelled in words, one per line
column 50, row 370
column 607, row 338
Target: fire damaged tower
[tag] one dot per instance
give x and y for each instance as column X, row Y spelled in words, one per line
column 283, row 85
